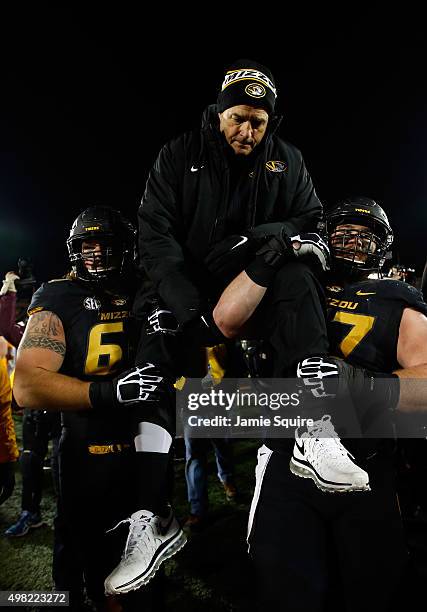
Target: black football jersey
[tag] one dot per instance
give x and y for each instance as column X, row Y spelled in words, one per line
column 364, row 320
column 363, row 328
column 100, row 337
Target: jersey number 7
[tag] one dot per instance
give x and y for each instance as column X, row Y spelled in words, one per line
column 361, row 325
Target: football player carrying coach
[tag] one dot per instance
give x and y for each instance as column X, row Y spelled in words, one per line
column 309, row 546
column 226, row 195
column 74, row 357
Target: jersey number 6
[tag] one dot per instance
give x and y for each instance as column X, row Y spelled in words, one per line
column 102, row 355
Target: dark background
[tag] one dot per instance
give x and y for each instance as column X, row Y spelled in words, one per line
column 87, row 100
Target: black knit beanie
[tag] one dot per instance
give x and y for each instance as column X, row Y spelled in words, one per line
column 249, row 83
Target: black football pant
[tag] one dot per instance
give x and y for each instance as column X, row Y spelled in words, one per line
column 326, row 552
column 291, row 317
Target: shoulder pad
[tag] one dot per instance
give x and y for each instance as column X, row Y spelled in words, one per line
column 401, row 291
column 51, row 296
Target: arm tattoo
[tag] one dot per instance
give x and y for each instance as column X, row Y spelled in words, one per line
column 44, row 330
column 43, row 342
column 44, row 324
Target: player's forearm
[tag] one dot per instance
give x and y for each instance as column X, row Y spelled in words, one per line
column 237, row 304
column 37, row 388
column 413, row 389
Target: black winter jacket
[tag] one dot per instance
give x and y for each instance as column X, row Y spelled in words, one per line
column 184, row 208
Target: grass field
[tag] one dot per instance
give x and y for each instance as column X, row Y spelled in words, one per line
column 211, row 573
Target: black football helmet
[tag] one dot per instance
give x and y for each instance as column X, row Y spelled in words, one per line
column 117, row 237
column 357, row 253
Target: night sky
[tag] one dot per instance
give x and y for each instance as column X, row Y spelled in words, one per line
column 87, row 102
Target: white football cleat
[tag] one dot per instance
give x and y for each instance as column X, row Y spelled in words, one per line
column 151, row 541
column 318, row 454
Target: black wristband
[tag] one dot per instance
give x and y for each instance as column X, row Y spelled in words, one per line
column 101, row 395
column 204, row 331
column 210, row 331
column 385, row 388
column 260, row 272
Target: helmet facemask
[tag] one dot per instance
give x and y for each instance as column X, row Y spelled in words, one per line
column 352, row 244
column 360, row 237
column 99, row 260
column 101, row 246
column 358, row 251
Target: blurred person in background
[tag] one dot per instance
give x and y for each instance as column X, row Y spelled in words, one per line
column 402, row 273
column 12, row 319
column 196, row 450
column 38, row 428
column 8, row 448
column 10, row 336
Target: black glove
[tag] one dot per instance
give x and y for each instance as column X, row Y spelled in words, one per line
column 7, row 480
column 270, row 258
column 229, row 257
column 143, row 383
column 279, row 249
column 331, row 377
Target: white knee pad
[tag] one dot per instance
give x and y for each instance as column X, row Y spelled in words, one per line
column 152, row 438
